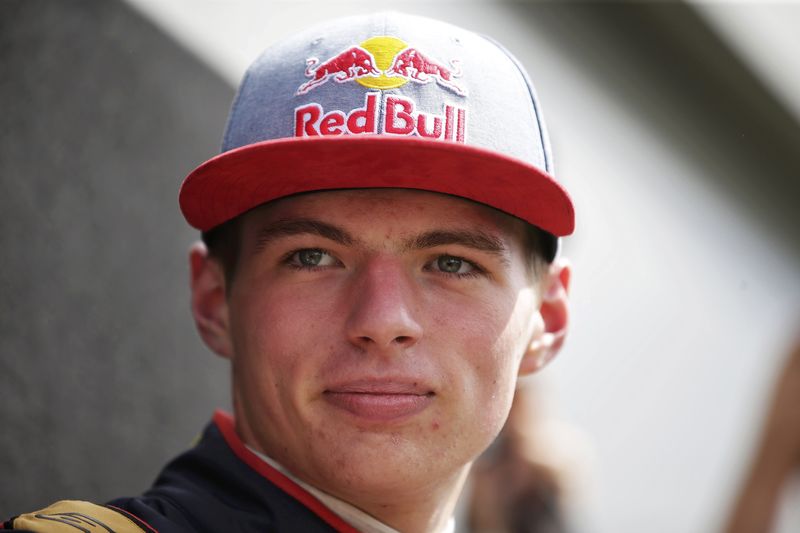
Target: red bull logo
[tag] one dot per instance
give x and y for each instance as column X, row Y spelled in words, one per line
column 382, row 63
column 400, row 117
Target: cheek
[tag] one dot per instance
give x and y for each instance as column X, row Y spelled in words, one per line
column 492, row 342
column 273, row 338
column 494, row 337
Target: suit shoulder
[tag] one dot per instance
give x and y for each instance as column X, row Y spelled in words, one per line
column 72, row 516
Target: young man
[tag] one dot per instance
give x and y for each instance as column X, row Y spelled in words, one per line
column 379, row 266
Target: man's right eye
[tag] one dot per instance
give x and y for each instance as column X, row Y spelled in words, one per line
column 311, row 258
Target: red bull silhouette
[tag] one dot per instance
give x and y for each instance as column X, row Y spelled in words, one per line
column 355, row 62
column 416, row 66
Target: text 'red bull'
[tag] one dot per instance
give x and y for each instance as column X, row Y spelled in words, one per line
column 400, row 118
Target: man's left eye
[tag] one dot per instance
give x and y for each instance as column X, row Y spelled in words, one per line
column 450, row 264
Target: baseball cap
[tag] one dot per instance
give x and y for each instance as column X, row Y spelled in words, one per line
column 383, row 100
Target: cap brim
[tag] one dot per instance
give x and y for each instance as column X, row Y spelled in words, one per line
column 241, row 179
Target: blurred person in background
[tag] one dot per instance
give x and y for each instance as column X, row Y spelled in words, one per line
column 526, row 481
column 777, row 456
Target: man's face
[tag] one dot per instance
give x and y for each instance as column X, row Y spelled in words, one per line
column 377, row 335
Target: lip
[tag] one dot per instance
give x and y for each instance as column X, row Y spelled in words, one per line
column 380, row 400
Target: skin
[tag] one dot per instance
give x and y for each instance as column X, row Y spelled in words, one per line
column 376, row 337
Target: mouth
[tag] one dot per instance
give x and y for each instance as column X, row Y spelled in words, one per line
column 380, row 401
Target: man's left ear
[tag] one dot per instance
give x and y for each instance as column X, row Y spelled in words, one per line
column 554, row 311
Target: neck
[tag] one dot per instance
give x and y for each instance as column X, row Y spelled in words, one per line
column 420, row 510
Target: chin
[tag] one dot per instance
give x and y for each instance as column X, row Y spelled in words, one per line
column 391, row 464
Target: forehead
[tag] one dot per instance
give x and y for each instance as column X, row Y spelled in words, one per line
column 386, row 213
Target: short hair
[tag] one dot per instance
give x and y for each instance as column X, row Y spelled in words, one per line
column 224, row 244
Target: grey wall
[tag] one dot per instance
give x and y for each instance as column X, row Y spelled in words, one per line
column 102, row 377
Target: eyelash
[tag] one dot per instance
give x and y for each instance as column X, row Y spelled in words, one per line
column 476, row 271
column 288, row 260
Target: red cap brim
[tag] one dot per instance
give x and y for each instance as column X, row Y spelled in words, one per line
column 241, row 179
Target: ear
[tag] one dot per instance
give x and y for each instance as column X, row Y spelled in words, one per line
column 554, row 313
column 209, row 301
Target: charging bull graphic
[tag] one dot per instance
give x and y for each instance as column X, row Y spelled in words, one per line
column 416, row 66
column 355, row 62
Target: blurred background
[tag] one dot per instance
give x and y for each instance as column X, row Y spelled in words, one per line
column 675, row 126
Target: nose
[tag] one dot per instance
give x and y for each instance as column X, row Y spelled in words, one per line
column 382, row 313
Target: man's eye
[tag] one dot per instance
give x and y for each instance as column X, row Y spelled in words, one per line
column 450, row 264
column 311, row 257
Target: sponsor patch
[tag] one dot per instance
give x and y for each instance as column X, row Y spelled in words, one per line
column 69, row 516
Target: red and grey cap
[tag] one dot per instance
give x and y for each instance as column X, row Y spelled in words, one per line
column 385, row 100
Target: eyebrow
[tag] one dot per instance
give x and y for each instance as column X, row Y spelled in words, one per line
column 301, row 226
column 477, row 240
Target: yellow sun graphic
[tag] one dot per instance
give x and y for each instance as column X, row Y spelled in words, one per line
column 383, row 49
